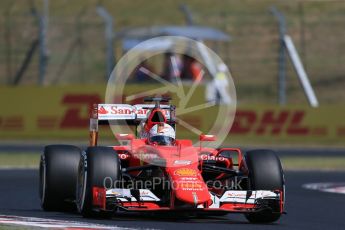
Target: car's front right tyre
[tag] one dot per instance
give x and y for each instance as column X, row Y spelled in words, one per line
column 58, row 172
column 98, row 167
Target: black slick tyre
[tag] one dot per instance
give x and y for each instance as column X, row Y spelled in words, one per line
column 98, row 167
column 265, row 173
column 58, row 172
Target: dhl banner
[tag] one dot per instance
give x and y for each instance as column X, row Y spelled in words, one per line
column 63, row 113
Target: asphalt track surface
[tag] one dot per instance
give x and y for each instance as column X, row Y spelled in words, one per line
column 306, row 209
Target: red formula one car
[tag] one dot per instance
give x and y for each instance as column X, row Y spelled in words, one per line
column 155, row 172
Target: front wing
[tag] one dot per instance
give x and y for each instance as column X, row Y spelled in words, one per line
column 231, row 201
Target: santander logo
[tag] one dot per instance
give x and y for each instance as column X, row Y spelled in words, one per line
column 120, row 111
column 102, row 110
column 142, row 111
column 126, row 110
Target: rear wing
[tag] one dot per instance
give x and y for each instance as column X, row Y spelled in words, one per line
column 125, row 112
column 130, row 114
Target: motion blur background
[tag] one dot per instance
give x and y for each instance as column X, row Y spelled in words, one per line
column 76, row 32
column 52, row 50
column 56, row 57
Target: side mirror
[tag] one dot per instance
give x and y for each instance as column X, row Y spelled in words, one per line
column 124, row 136
column 205, row 137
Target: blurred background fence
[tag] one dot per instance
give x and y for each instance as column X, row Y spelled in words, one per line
column 76, row 45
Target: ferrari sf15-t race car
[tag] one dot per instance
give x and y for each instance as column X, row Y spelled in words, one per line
column 152, row 171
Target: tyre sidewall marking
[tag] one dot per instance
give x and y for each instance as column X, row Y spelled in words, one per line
column 43, row 180
column 82, row 198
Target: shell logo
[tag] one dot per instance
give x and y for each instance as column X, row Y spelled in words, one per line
column 185, row 172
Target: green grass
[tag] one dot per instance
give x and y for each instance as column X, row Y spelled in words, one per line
column 313, row 163
column 31, row 160
column 19, row 160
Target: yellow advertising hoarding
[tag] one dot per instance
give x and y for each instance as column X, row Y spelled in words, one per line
column 63, row 112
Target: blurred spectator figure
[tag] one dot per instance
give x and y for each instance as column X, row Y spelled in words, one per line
column 191, row 69
column 217, row 89
column 186, row 73
column 141, row 73
column 196, row 70
column 171, row 67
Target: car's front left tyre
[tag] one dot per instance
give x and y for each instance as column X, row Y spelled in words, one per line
column 265, row 173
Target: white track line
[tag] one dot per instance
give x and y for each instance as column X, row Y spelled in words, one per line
column 51, row 223
column 326, row 187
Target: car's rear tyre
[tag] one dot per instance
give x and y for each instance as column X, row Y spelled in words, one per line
column 96, row 165
column 265, row 173
column 58, row 172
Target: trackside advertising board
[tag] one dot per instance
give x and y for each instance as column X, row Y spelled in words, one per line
column 63, row 113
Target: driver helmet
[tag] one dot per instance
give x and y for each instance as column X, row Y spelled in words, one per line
column 162, row 134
